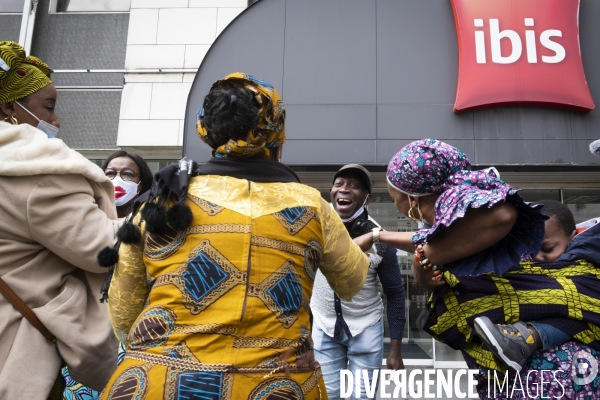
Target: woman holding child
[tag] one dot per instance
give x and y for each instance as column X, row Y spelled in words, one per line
column 476, row 230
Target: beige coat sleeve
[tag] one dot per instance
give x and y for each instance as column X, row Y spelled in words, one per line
column 344, row 264
column 70, row 216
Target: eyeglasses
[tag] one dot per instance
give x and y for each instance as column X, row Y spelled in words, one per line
column 126, row 174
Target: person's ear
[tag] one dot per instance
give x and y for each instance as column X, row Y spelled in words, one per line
column 414, row 201
column 573, row 235
column 368, row 200
column 8, row 109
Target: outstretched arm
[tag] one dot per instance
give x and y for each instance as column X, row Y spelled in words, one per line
column 479, row 229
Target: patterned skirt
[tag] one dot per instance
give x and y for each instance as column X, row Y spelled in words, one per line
column 140, row 377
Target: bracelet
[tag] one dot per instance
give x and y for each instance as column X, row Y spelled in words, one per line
column 422, row 259
column 376, row 235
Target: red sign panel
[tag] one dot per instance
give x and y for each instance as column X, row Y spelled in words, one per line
column 519, row 52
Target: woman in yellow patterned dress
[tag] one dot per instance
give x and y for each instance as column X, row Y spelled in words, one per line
column 211, row 289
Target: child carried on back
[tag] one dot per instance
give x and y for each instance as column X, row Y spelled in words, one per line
column 556, row 294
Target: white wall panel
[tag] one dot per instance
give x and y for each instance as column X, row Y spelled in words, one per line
column 189, row 77
column 159, row 4
column 180, row 136
column 143, row 25
column 194, row 54
column 148, row 133
column 166, row 34
column 162, row 78
column 187, row 26
column 135, row 101
column 218, row 3
column 169, row 100
column 157, row 56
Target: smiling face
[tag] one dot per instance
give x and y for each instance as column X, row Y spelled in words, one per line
column 555, row 243
column 348, row 195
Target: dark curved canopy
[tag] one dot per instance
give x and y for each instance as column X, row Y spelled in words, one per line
column 360, row 79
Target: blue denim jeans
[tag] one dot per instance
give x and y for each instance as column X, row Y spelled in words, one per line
column 364, row 351
column 549, row 335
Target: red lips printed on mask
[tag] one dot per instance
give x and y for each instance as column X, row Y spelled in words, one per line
column 119, row 192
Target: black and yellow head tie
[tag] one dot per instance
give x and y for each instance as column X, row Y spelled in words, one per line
column 20, row 76
column 270, row 130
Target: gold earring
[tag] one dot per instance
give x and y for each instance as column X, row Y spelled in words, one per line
column 12, row 120
column 420, row 212
column 411, row 213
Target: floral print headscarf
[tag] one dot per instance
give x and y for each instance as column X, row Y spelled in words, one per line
column 426, row 166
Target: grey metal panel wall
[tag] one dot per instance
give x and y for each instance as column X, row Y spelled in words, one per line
column 80, row 41
column 89, row 119
column 10, row 27
column 361, row 79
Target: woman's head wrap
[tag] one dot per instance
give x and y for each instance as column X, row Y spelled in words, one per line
column 270, row 130
column 20, row 76
column 426, row 166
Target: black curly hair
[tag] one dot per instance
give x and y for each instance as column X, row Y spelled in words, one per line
column 229, row 113
column 563, row 215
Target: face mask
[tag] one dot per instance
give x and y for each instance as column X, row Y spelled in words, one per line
column 357, row 213
column 124, row 190
column 50, row 130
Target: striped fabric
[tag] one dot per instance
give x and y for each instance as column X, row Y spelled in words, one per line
column 564, row 295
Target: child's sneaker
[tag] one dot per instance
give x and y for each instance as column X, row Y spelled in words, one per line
column 512, row 343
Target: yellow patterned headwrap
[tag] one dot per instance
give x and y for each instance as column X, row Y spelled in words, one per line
column 20, row 76
column 270, row 130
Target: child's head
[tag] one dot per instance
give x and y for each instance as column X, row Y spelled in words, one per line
column 560, row 229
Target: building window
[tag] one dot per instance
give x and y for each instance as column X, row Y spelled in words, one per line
column 533, row 195
column 12, row 6
column 90, row 5
column 583, row 203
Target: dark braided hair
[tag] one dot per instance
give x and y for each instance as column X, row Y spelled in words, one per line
column 229, row 113
column 563, row 215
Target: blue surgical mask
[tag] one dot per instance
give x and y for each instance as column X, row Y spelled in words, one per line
column 50, row 130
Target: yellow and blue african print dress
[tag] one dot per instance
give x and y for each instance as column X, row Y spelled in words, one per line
column 220, row 311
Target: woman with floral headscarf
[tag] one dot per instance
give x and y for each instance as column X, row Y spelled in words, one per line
column 57, row 212
column 476, row 231
column 211, row 288
column 473, row 222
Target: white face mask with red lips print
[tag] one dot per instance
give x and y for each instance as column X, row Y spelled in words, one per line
column 124, row 190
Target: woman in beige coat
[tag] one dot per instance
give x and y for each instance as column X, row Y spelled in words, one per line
column 56, row 212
